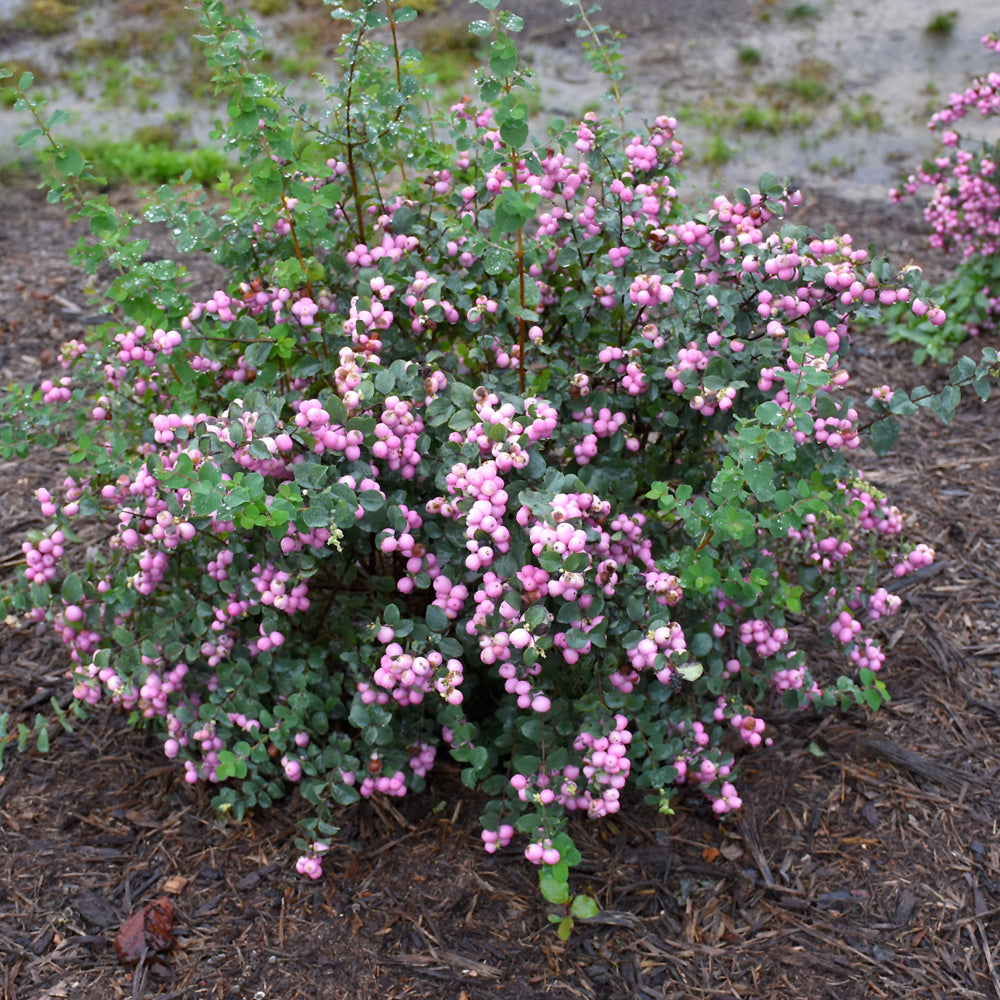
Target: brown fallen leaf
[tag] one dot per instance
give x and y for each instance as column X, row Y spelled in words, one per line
column 731, row 851
column 150, row 931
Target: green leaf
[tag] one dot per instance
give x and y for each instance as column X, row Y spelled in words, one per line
column 570, row 856
column 691, row 671
column 700, row 645
column 554, row 889
column 945, row 403
column 770, row 413
column 584, row 907
column 27, row 138
column 901, row 404
column 58, row 117
column 503, row 57
column 72, row 589
column 768, row 183
column 437, row 620
column 964, row 370
column 69, row 162
column 760, row 478
column 462, row 395
column 497, row 259
column 230, row 766
column 884, row 434
column 510, row 22
column 514, row 133
column 512, row 210
column 257, row 353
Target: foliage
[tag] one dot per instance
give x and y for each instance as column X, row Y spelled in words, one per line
column 37, row 732
column 964, row 214
column 46, row 17
column 942, row 23
column 139, row 162
column 491, row 447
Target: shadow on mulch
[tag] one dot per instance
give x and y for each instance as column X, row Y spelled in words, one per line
column 866, row 862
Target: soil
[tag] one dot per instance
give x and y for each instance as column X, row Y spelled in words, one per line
column 865, row 863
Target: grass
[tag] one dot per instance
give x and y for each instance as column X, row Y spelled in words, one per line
column 864, row 114
column 771, row 119
column 810, row 82
column 151, row 157
column 802, row 12
column 718, row 152
column 807, row 90
column 836, row 166
column 46, row 17
column 268, row 8
column 122, row 84
column 284, row 67
column 942, row 23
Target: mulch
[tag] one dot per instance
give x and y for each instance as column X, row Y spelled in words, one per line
column 865, row 863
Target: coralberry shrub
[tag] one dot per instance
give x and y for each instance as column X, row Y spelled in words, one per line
column 491, row 449
column 964, row 215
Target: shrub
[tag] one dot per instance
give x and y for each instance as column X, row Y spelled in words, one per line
column 491, row 448
column 964, row 214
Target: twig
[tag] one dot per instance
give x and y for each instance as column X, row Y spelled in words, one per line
column 980, row 908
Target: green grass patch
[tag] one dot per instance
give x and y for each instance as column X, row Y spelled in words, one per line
column 718, row 152
column 802, row 12
column 942, row 23
column 810, row 82
column 773, row 120
column 864, row 114
column 46, row 17
column 150, row 158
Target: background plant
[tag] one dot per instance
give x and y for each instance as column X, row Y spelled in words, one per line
column 964, row 214
column 491, row 447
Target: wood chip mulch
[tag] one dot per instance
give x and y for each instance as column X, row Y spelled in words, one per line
column 866, row 862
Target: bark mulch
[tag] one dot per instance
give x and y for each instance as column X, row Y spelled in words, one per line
column 866, row 862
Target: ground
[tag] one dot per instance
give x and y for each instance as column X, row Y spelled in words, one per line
column 866, row 862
